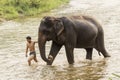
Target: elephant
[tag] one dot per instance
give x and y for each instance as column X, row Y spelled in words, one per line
column 72, row 32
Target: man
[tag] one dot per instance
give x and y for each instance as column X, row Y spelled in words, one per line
column 31, row 46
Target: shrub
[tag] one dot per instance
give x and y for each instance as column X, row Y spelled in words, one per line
column 10, row 9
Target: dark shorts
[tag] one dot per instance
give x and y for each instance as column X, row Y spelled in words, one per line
column 33, row 53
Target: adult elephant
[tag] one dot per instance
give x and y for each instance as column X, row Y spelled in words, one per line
column 72, row 32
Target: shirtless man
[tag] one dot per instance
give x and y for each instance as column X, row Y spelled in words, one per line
column 31, row 46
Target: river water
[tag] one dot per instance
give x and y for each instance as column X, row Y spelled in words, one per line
column 13, row 63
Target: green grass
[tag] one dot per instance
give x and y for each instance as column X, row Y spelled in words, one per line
column 116, row 75
column 11, row 9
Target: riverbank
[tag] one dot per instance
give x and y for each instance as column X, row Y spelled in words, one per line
column 12, row 9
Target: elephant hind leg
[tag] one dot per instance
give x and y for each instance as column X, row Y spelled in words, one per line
column 89, row 53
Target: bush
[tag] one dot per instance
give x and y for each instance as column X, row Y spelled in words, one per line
column 10, row 9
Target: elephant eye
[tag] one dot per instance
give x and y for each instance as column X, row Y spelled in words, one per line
column 47, row 26
column 46, row 32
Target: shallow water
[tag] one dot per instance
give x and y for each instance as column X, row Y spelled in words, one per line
column 13, row 63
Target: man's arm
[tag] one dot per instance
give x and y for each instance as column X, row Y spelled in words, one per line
column 35, row 42
column 26, row 50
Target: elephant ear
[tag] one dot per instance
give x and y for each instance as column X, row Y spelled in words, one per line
column 59, row 27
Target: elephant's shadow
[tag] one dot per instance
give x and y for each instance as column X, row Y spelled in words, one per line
column 87, row 70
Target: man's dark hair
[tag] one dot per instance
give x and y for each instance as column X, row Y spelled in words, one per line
column 28, row 37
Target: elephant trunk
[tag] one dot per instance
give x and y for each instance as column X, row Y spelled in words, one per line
column 41, row 45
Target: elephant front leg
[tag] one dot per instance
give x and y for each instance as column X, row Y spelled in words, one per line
column 53, row 52
column 69, row 54
column 89, row 53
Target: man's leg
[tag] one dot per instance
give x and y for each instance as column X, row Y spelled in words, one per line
column 35, row 59
column 29, row 59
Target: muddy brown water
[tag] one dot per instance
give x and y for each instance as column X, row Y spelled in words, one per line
column 13, row 63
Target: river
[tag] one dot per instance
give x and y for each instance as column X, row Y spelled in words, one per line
column 13, row 63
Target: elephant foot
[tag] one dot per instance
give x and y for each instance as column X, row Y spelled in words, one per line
column 49, row 63
column 89, row 58
column 71, row 65
column 107, row 55
column 71, row 62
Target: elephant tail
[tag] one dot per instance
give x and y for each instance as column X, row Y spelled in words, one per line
column 99, row 53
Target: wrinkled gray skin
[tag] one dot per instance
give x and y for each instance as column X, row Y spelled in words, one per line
column 72, row 32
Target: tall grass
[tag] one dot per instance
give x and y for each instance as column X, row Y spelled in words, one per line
column 10, row 9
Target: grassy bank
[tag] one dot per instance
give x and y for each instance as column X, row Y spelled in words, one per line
column 11, row 9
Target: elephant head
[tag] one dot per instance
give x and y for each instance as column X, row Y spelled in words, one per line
column 50, row 28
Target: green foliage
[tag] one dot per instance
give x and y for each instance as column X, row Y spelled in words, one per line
column 110, row 79
column 10, row 9
column 116, row 76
